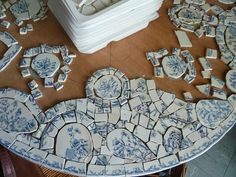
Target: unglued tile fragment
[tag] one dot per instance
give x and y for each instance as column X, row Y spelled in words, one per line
column 216, row 82
column 211, row 53
column 205, row 64
column 218, row 93
column 183, row 39
column 188, row 96
column 204, row 89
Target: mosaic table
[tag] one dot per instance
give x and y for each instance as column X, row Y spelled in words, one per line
column 113, row 118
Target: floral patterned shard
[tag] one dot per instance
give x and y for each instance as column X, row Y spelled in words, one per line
column 15, row 117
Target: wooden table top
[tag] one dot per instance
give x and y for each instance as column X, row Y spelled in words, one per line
column 127, row 55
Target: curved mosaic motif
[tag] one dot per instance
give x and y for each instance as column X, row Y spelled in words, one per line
column 144, row 131
column 226, row 37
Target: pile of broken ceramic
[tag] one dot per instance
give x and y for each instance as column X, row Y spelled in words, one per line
column 122, row 128
column 43, row 61
column 91, row 25
column 173, row 66
column 192, row 16
column 23, row 10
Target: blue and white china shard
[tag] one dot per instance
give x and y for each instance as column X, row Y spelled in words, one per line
column 212, row 112
column 125, row 145
column 16, row 117
column 74, row 142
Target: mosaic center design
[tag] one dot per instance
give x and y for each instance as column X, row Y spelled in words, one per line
column 122, row 128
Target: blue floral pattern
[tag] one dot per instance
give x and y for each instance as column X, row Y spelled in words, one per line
column 211, row 112
column 174, row 66
column 45, row 65
column 172, row 140
column 230, row 38
column 76, row 144
column 108, row 87
column 231, row 80
column 124, row 145
column 14, row 117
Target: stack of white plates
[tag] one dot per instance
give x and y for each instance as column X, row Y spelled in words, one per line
column 92, row 24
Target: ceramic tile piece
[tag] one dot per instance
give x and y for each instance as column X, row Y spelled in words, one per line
column 169, row 160
column 172, row 140
column 156, row 137
column 216, row 9
column 143, row 121
column 58, row 86
column 54, row 162
column 183, row 39
column 204, row 89
column 176, row 51
column 101, row 117
column 158, row 72
column 23, row 30
column 70, row 105
column 114, row 170
column 6, row 24
column 167, row 98
column 33, row 85
column 36, row 93
column 16, row 113
column 45, row 65
column 210, row 31
column 29, row 27
column 69, row 117
column 75, row 168
column 188, row 96
column 70, row 134
column 47, row 142
column 230, row 78
column 206, row 74
column 205, row 64
column 18, row 22
column 25, row 62
column 174, row 66
column 216, row 111
column 7, row 39
column 125, row 115
column 48, row 82
column 50, row 114
column 142, row 133
column 134, row 102
column 216, row 82
column 65, row 69
column 199, row 33
column 37, row 155
column 211, row 53
column 96, row 170
column 58, row 122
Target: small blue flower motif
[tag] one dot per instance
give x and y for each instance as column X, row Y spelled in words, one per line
column 70, row 153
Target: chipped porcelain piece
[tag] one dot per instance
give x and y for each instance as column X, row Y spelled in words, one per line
column 231, row 80
column 230, row 36
column 174, row 66
column 172, row 140
column 124, row 145
column 227, row 1
column 108, row 87
column 204, row 89
column 74, row 142
column 15, row 117
column 46, row 65
column 212, row 112
column 189, row 16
